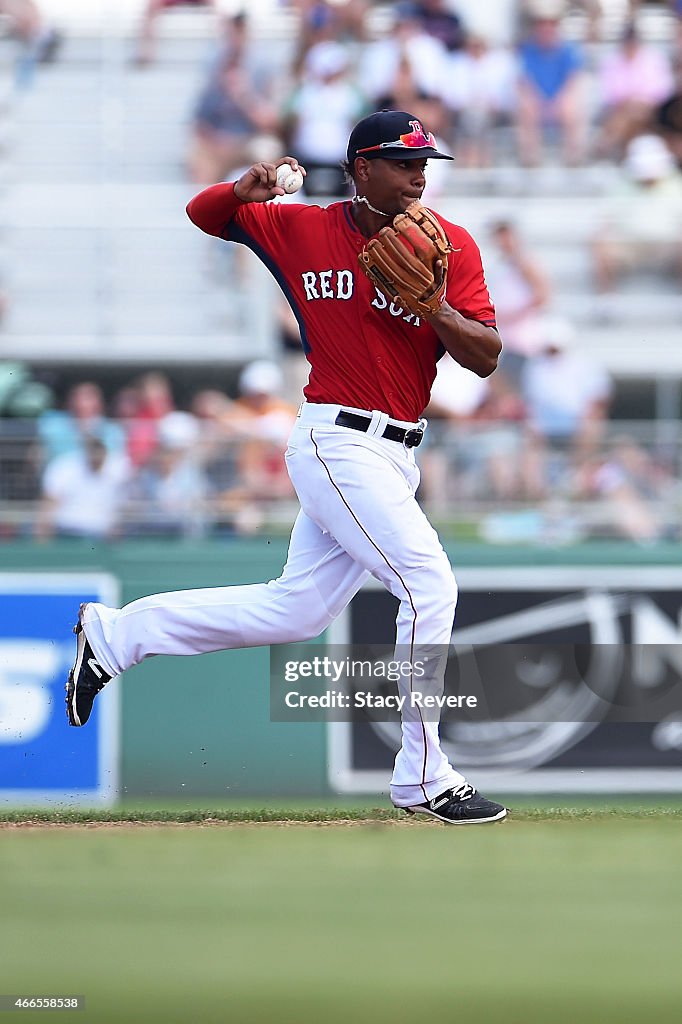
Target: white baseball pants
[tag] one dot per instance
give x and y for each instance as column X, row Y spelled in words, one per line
column 358, row 516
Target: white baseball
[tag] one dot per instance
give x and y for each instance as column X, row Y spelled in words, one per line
column 289, row 179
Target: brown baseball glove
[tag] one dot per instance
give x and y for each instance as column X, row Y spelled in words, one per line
column 408, row 260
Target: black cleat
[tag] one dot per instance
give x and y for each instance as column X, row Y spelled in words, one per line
column 461, row 806
column 86, row 679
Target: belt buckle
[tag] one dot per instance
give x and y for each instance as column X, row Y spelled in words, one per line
column 415, row 435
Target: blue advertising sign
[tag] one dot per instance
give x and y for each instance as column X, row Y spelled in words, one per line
column 43, row 759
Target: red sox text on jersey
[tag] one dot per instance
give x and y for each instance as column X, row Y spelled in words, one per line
column 319, row 286
column 365, row 352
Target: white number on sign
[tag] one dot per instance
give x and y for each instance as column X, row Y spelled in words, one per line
column 27, row 667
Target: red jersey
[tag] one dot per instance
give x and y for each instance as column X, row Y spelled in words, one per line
column 364, row 351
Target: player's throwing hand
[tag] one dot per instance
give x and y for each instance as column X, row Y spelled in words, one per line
column 259, row 183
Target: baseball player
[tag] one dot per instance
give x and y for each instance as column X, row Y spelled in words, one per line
column 381, row 288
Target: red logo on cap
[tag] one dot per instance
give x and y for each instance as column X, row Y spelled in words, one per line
column 418, row 138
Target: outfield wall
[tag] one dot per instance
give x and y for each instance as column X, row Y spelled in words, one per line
column 201, row 726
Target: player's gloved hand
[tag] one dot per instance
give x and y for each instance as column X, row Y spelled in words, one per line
column 408, row 260
column 259, row 183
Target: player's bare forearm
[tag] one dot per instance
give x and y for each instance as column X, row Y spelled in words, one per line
column 473, row 345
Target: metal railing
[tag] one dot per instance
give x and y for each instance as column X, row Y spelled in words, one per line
column 494, row 481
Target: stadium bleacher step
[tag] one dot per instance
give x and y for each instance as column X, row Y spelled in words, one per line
column 99, row 253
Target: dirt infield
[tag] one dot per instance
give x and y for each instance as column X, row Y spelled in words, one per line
column 340, row 823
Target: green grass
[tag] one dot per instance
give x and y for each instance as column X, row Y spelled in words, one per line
column 314, row 814
column 549, row 917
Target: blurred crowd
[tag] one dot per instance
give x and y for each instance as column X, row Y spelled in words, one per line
column 532, row 441
column 542, row 97
column 532, row 449
column 39, row 40
column 542, row 94
column 539, row 96
column 140, row 466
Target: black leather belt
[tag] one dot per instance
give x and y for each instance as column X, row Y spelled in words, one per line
column 411, row 437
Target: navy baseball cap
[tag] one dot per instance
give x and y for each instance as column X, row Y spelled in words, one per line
column 392, row 135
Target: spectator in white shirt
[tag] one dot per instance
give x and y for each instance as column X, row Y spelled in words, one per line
column 480, row 90
column 641, row 228
column 522, row 293
column 425, row 56
column 167, row 495
column 83, row 493
column 320, row 113
column 566, row 396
